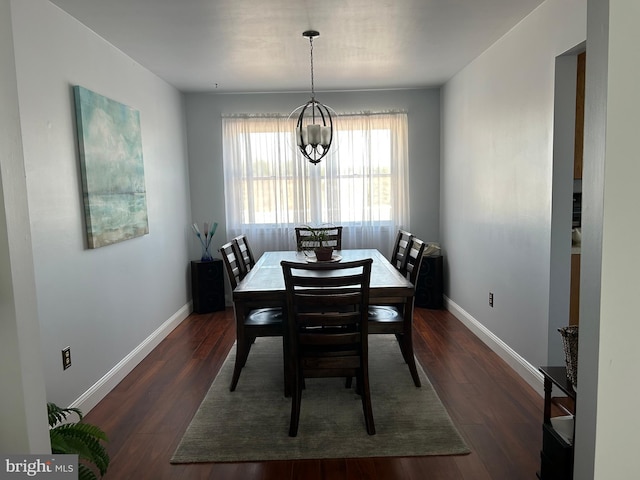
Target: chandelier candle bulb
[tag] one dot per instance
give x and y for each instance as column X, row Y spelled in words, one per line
column 326, row 136
column 313, row 131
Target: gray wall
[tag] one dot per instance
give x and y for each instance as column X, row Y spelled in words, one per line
column 609, row 327
column 22, row 402
column 497, row 119
column 496, row 178
column 561, row 202
column 103, row 303
column 204, row 127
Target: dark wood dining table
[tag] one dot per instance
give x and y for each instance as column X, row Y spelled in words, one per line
column 264, row 284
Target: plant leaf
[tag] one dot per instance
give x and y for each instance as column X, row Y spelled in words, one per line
column 57, row 414
column 85, row 473
column 82, row 439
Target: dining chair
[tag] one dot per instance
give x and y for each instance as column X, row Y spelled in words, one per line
column 261, row 322
column 327, row 328
column 233, row 265
column 306, row 237
column 244, row 251
column 398, row 258
column 390, row 319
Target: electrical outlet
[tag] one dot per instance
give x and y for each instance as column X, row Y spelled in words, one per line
column 491, row 299
column 66, row 358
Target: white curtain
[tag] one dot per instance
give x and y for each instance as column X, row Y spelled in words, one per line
column 362, row 184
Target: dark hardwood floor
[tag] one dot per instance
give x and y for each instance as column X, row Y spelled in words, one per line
column 496, row 412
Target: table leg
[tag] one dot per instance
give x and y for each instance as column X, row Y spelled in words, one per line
column 548, row 385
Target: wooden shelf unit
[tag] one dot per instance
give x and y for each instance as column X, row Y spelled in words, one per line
column 556, row 456
column 429, row 283
column 207, row 286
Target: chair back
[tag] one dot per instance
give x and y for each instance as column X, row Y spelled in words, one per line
column 244, row 251
column 398, row 257
column 233, row 264
column 327, row 328
column 307, row 237
column 327, row 313
column 414, row 256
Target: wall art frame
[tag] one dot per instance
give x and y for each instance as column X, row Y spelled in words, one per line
column 112, row 169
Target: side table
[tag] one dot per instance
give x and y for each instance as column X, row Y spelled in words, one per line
column 207, row 286
column 429, row 283
column 557, row 454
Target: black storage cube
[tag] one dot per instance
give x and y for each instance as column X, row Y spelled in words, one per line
column 429, row 283
column 207, row 286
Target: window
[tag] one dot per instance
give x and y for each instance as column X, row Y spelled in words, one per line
column 361, row 184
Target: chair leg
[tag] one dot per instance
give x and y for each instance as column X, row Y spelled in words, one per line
column 406, row 346
column 366, row 401
column 296, row 400
column 358, row 385
column 242, row 353
column 287, row 373
column 400, row 339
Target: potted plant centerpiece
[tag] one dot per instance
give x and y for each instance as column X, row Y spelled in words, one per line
column 323, row 252
column 315, row 239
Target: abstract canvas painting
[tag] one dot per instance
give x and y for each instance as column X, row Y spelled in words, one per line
column 110, row 145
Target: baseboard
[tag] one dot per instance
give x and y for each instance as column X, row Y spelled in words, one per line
column 102, row 387
column 528, row 372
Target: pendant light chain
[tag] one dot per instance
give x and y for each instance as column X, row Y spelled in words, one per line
column 313, row 92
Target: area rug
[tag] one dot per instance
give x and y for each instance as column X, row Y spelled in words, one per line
column 252, row 423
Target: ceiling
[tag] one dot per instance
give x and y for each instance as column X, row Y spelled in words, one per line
column 257, row 45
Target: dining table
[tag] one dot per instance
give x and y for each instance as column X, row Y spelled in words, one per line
column 263, row 286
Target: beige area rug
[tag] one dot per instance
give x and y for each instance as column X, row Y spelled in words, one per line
column 252, row 423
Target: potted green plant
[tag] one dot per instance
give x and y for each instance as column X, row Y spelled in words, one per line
column 79, row 438
column 314, row 239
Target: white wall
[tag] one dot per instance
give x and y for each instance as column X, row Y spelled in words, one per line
column 22, row 403
column 496, row 178
column 204, row 127
column 608, row 420
column 102, row 303
column 564, row 125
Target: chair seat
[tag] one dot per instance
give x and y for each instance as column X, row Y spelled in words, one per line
column 264, row 316
column 384, row 313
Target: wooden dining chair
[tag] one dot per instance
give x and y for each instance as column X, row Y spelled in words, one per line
column 261, row 322
column 398, row 257
column 235, row 269
column 390, row 319
column 327, row 327
column 244, row 252
column 306, row 237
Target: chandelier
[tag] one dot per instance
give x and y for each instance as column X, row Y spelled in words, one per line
column 314, row 125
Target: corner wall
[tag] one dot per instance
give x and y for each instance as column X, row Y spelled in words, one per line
column 105, row 302
column 496, row 177
column 22, row 403
column 607, row 417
